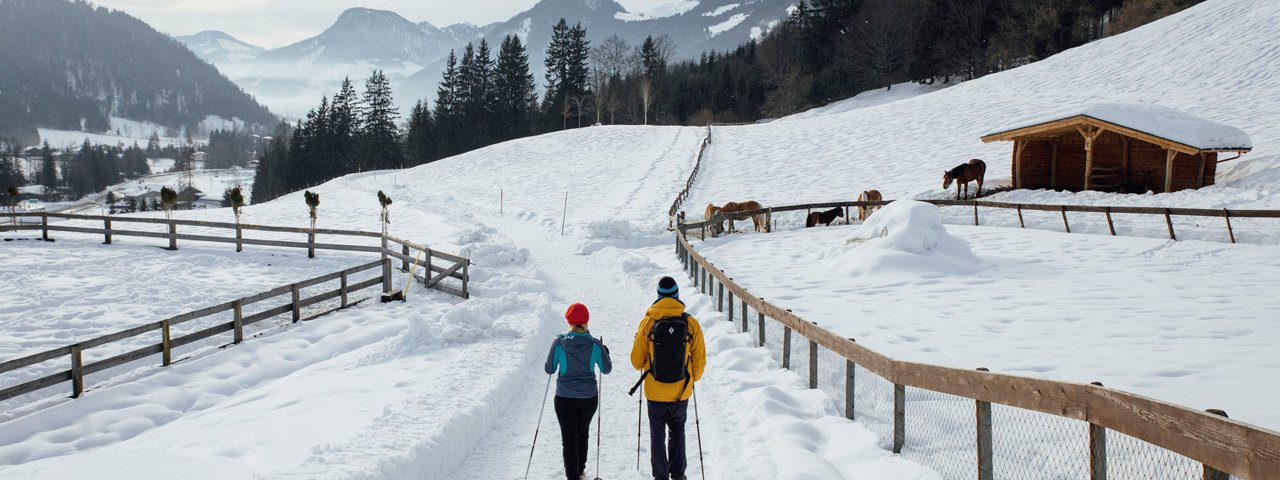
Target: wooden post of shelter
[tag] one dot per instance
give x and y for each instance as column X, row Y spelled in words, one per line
column 1200, row 177
column 1053, row 166
column 1090, row 134
column 1168, row 170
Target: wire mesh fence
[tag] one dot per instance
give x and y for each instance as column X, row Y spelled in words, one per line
column 941, row 433
column 1131, row 458
column 1033, row 446
column 873, row 404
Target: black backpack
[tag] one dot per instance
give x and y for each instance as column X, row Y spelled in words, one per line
column 669, row 360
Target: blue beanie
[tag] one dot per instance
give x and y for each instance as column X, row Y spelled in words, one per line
column 667, row 288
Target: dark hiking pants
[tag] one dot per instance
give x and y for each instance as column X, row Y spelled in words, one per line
column 575, row 425
column 667, row 457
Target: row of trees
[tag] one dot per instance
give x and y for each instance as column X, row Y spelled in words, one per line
column 824, row 51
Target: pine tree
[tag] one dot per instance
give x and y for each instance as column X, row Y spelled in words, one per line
column 419, row 141
column 48, row 168
column 557, row 71
column 446, row 107
column 515, row 98
column 380, row 137
column 268, row 180
column 344, row 124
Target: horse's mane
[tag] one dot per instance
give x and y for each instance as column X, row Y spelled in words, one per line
column 959, row 170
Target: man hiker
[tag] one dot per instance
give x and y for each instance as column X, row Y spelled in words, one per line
column 576, row 355
column 670, row 351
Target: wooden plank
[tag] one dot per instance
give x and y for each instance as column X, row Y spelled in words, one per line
column 1065, row 225
column 1225, row 214
column 202, row 334
column 123, row 358
column 268, row 313
column 1097, row 452
column 446, row 273
column 986, row 469
column 430, row 267
column 14, row 364
column 1021, row 224
column 258, row 297
column 1236, row 448
column 123, row 334
column 37, row 384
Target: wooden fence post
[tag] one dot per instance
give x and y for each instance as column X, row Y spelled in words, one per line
column 342, row 290
column 786, row 347
column 1227, row 215
column 1064, row 219
column 899, row 417
column 237, row 323
column 166, row 351
column 850, row 369
column 1097, row 450
column 744, row 317
column 975, row 213
column 466, row 279
column 720, row 296
column 77, row 371
column 730, row 305
column 1211, row 473
column 1111, row 226
column 1169, row 221
column 106, row 226
column 44, row 224
column 813, row 364
column 985, row 451
column 311, row 244
column 760, row 317
column 768, row 220
column 173, row 235
column 1021, row 224
column 297, row 307
column 404, row 262
column 387, row 275
column 239, row 237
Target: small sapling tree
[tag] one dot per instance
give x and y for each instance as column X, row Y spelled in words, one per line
column 385, row 201
column 169, row 200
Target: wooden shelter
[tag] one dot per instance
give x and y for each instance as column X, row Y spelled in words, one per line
column 1118, row 147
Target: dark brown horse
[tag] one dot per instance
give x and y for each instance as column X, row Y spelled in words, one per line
column 824, row 218
column 963, row 174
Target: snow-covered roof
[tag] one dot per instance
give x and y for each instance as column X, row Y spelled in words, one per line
column 1162, row 122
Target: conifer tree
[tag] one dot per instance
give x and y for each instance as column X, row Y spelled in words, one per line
column 514, row 97
column 48, row 168
column 380, row 137
column 419, row 138
column 446, row 107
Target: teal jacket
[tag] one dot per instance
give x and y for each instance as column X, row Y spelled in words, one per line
column 576, row 356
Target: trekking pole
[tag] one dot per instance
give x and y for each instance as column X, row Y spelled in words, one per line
column 599, row 423
column 639, row 407
column 698, row 428
column 539, row 427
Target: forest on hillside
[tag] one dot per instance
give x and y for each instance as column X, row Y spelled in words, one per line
column 827, row 50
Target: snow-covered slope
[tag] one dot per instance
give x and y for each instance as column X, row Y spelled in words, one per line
column 1217, row 60
column 218, row 47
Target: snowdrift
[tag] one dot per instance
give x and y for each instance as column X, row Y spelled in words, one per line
column 903, row 238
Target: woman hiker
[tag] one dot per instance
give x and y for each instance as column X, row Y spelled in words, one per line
column 576, row 355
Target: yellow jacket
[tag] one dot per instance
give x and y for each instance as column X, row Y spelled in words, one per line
column 641, row 350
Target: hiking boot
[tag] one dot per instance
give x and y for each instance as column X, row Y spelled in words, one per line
column 676, row 476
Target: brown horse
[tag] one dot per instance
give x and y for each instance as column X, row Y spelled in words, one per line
column 824, row 218
column 759, row 220
column 711, row 213
column 864, row 211
column 963, row 174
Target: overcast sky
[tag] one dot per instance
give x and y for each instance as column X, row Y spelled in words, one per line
column 275, row 23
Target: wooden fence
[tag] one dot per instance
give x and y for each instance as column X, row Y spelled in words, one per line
column 78, row 369
column 437, row 265
column 1226, row 215
column 672, row 218
column 1222, row 445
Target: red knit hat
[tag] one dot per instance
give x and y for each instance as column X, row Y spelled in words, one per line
column 577, row 314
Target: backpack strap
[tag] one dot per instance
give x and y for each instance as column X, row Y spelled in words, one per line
column 640, row 382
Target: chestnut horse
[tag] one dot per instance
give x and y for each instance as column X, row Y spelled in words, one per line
column 711, row 213
column 963, row 174
column 759, row 220
column 864, row 211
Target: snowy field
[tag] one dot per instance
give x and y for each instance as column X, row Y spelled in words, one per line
column 1147, row 316
column 1224, row 68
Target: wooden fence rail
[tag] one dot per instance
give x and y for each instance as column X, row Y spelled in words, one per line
column 78, row 369
column 1227, row 215
column 1219, row 443
column 457, row 266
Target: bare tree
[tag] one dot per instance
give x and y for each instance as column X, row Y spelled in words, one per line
column 883, row 39
column 646, row 96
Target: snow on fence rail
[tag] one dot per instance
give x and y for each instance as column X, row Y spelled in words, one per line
column 450, row 266
column 78, row 369
column 1162, row 213
column 1018, row 426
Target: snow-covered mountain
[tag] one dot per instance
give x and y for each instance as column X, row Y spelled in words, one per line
column 218, row 47
column 291, row 79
